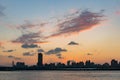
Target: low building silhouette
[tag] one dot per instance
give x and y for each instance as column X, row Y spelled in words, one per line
column 20, row 66
column 114, row 63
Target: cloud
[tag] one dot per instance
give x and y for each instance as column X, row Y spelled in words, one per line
column 74, row 11
column 30, row 25
column 28, row 38
column 28, row 54
column 57, row 52
column 11, row 50
column 1, row 45
column 40, row 50
column 78, row 22
column 30, row 33
column 59, row 56
column 73, row 43
column 72, row 23
column 13, row 57
column 118, row 12
column 27, row 25
column 89, row 54
column 29, row 46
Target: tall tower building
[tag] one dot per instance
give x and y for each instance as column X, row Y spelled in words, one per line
column 40, row 60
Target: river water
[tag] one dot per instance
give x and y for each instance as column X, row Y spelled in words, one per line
column 59, row 75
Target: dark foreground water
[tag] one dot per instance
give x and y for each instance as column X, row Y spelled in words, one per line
column 60, row 75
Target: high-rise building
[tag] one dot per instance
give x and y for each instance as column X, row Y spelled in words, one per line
column 40, row 60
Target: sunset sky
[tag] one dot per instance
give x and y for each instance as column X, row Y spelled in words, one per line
column 62, row 30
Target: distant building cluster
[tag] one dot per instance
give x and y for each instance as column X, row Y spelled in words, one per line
column 71, row 65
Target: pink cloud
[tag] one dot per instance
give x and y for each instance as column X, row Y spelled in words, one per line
column 78, row 22
column 118, row 12
column 73, row 11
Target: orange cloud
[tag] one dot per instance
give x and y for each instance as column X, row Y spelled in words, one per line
column 1, row 43
column 41, row 42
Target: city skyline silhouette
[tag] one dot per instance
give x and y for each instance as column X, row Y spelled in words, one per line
column 70, row 65
column 60, row 30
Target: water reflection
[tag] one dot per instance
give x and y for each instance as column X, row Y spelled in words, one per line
column 60, row 75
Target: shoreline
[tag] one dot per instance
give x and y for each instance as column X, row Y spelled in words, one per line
column 74, row 69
